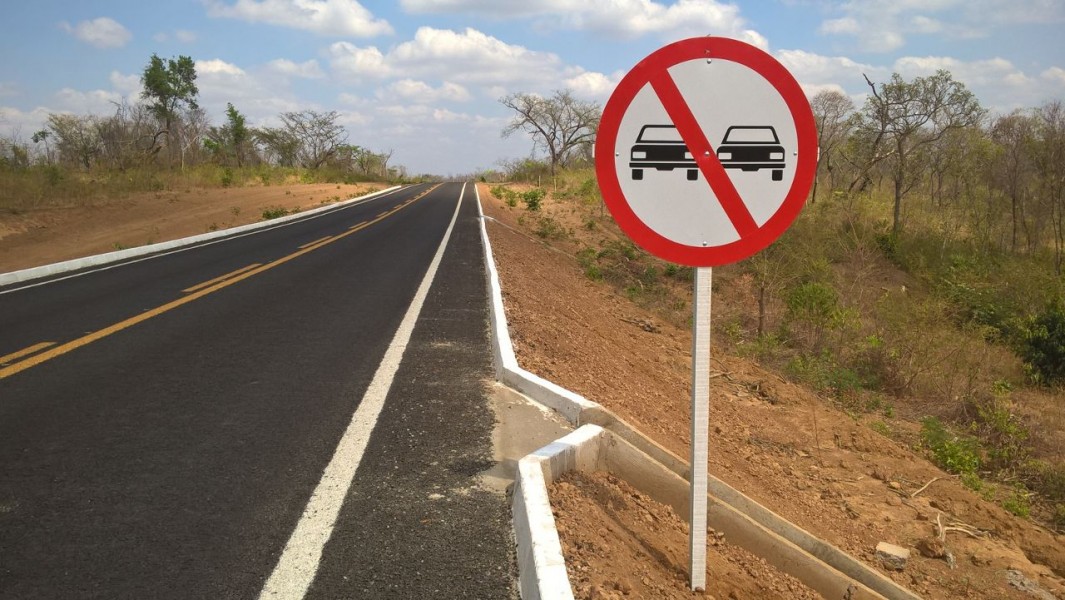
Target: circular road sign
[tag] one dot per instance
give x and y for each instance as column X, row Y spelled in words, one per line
column 706, row 151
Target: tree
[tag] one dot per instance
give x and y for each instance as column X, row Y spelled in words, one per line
column 308, row 138
column 279, row 145
column 832, row 110
column 912, row 116
column 77, row 139
column 561, row 125
column 229, row 141
column 42, row 136
column 1049, row 156
column 238, row 132
column 1013, row 135
column 168, row 86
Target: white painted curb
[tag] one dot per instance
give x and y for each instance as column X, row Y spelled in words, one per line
column 120, row 255
column 541, row 567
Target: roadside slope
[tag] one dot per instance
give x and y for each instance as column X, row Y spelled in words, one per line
column 774, row 440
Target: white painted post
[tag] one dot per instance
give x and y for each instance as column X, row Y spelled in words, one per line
column 700, row 425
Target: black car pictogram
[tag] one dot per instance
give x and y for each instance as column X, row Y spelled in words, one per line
column 661, row 147
column 751, row 148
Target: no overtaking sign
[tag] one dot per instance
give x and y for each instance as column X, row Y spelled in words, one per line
column 706, row 151
column 705, row 154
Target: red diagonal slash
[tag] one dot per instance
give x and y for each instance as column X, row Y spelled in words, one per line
column 703, row 152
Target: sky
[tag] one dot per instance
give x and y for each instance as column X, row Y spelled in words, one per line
column 423, row 78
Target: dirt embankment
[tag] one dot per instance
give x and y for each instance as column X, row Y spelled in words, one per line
column 29, row 238
column 774, row 440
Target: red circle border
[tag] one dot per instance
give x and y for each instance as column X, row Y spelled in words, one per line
column 606, row 142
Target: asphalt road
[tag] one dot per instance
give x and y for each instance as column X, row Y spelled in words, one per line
column 161, row 438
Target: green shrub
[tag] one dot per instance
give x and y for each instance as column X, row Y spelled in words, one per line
column 533, row 198
column 1003, row 433
column 1018, row 503
column 227, row 177
column 1043, row 349
column 881, row 427
column 957, row 454
column 275, row 212
column 550, row 229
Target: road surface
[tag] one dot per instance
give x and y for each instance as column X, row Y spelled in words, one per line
column 165, row 424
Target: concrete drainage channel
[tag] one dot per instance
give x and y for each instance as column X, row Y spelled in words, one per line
column 604, row 442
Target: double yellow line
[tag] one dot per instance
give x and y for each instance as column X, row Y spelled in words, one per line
column 195, row 292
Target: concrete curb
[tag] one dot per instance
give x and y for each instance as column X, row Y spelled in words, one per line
column 77, row 264
column 655, row 471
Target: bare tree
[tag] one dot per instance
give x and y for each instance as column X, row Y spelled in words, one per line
column 1014, row 134
column 1049, row 157
column 316, row 136
column 559, row 125
column 910, row 117
column 832, row 111
column 77, row 139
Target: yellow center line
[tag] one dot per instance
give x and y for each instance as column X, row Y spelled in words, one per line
column 200, row 286
column 130, row 322
column 360, row 225
column 384, row 214
column 24, row 352
column 316, row 242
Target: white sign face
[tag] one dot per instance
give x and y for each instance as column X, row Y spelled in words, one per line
column 744, row 119
column 706, row 151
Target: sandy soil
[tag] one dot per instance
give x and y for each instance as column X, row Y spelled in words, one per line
column 774, row 440
column 30, row 238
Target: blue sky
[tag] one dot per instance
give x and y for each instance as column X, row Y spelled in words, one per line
column 423, row 77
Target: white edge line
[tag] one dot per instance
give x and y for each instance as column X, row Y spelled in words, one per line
column 108, row 259
column 298, row 565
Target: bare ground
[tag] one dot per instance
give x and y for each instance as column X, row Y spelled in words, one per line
column 776, row 441
column 33, row 237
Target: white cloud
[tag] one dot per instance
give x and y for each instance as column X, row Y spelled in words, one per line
column 468, row 57
column 847, row 25
column 217, row 67
column 593, row 85
column 998, row 84
column 19, row 124
column 1055, row 75
column 423, row 93
column 126, row 85
column 356, row 63
column 323, row 17
column 221, row 82
column 884, row 25
column 95, row 102
column 103, row 32
column 978, row 73
column 303, row 70
column 817, row 70
column 624, row 19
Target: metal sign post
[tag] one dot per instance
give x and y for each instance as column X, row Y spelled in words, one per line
column 700, row 425
column 722, row 130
